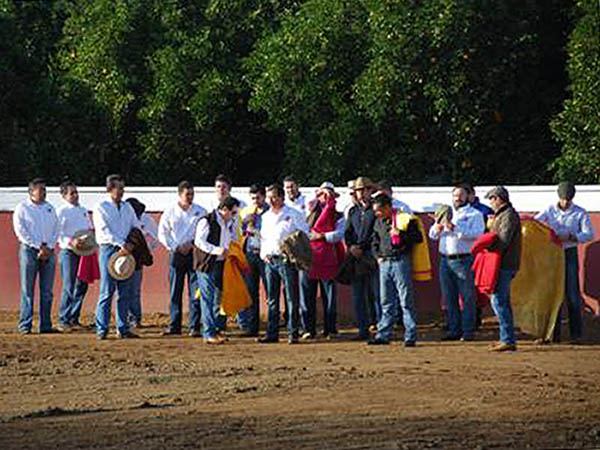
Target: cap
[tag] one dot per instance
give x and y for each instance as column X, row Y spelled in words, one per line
column 566, row 190
column 498, row 191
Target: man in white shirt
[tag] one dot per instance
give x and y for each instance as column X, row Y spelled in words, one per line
column 293, row 197
column 176, row 231
column 456, row 276
column 36, row 226
column 573, row 226
column 72, row 217
column 214, row 233
column 278, row 223
column 113, row 220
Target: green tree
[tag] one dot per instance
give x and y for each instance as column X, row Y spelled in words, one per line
column 577, row 127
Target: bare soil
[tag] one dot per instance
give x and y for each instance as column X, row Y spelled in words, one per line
column 72, row 391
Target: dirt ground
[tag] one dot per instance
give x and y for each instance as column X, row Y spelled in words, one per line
column 72, row 391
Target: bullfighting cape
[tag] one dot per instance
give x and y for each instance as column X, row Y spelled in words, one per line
column 235, row 296
column 537, row 290
column 421, row 262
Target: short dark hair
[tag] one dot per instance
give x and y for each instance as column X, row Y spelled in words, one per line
column 229, row 203
column 467, row 187
column 257, row 189
column 112, row 180
column 223, row 178
column 65, row 185
column 385, row 184
column 138, row 207
column 36, row 182
column 184, row 186
column 291, row 178
column 461, row 186
column 382, row 200
column 277, row 188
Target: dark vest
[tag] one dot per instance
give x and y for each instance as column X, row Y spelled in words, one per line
column 203, row 261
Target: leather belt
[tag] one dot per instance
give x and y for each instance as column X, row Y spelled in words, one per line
column 457, row 256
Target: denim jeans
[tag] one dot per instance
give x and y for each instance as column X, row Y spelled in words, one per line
column 135, row 305
column 108, row 285
column 457, row 277
column 29, row 267
column 73, row 289
column 276, row 271
column 211, row 286
column 308, row 304
column 502, row 307
column 365, row 300
column 177, row 277
column 572, row 297
column 249, row 318
column 397, row 288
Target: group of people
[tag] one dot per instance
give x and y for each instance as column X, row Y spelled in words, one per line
column 373, row 245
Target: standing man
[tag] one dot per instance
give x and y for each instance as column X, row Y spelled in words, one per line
column 359, row 235
column 293, row 197
column 72, row 218
column 113, row 220
column 385, row 187
column 278, row 223
column 456, row 276
column 573, row 226
column 213, row 235
column 251, row 216
column 393, row 240
column 176, row 231
column 36, row 226
column 507, row 225
column 326, row 233
column 475, row 203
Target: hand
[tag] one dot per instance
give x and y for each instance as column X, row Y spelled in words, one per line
column 449, row 226
column 44, row 253
column 126, row 249
column 439, row 227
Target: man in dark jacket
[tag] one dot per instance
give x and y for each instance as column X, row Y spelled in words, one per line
column 358, row 236
column 507, row 225
column 392, row 245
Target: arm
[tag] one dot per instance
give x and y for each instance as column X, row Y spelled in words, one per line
column 337, row 235
column 506, row 230
column 202, row 231
column 164, row 232
column 55, row 230
column 22, row 229
column 434, row 232
column 586, row 231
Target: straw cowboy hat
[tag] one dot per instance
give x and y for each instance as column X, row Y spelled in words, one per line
column 121, row 267
column 362, row 183
column 88, row 243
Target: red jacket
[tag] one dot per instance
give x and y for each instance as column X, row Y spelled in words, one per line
column 486, row 264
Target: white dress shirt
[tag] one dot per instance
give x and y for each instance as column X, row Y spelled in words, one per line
column 178, row 226
column 149, row 229
column 468, row 226
column 228, row 234
column 71, row 219
column 112, row 224
column 337, row 234
column 574, row 220
column 35, row 224
column 277, row 226
column 300, row 204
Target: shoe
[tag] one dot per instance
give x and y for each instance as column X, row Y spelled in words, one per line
column 331, row 336
column 372, row 329
column 221, row 335
column 503, row 347
column 408, row 344
column 24, row 332
column 377, row 341
column 450, row 337
column 50, row 331
column 127, row 335
column 293, row 340
column 101, row 336
column 267, row 340
column 65, row 328
column 169, row 332
column 467, row 339
column 213, row 340
column 248, row 333
column 360, row 337
column 195, row 333
column 541, row 341
column 307, row 336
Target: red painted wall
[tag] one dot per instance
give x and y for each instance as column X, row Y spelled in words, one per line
column 155, row 289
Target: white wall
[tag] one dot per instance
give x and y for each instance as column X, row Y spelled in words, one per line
column 420, row 199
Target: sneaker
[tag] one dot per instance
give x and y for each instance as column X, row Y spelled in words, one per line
column 467, row 339
column 221, row 335
column 307, row 336
column 377, row 341
column 293, row 340
column 372, row 329
column 24, row 331
column 331, row 336
column 101, row 336
column 195, row 333
column 503, row 347
column 127, row 335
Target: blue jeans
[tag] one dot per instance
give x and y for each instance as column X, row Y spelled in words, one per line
column 397, row 288
column 308, row 304
column 572, row 297
column 135, row 305
column 276, row 271
column 211, row 286
column 365, row 296
column 249, row 318
column 457, row 277
column 176, row 284
column 108, row 285
column 29, row 267
column 501, row 305
column 73, row 289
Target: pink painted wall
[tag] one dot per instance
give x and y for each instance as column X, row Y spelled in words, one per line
column 155, row 289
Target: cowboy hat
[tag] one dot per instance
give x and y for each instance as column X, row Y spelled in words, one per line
column 88, row 243
column 327, row 185
column 121, row 267
column 362, row 183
